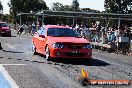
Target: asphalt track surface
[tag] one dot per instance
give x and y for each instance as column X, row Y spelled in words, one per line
column 24, row 70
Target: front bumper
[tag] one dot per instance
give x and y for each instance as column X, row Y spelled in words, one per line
column 5, row 31
column 71, row 53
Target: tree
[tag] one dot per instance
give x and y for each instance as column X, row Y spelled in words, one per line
column 17, row 6
column 1, row 7
column 8, row 18
column 60, row 7
column 118, row 6
column 75, row 5
column 67, row 8
column 89, row 10
column 57, row 6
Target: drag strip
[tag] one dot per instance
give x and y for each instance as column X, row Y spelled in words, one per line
column 33, row 71
column 6, row 79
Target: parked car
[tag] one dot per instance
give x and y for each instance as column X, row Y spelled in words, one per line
column 5, row 29
column 60, row 42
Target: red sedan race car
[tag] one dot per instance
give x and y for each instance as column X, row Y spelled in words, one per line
column 5, row 29
column 60, row 42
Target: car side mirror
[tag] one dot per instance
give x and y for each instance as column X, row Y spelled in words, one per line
column 42, row 36
column 35, row 33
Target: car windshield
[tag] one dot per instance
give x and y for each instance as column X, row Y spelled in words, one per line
column 62, row 32
column 3, row 24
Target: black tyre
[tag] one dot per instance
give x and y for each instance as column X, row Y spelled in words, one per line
column 47, row 54
column 84, row 81
column 86, row 61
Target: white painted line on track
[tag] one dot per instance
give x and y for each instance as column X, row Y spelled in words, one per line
column 8, row 77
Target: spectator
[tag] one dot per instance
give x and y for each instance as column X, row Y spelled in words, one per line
column 127, row 34
column 21, row 29
column 26, row 28
column 33, row 28
column 29, row 28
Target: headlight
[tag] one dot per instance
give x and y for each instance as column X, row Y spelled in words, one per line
column 87, row 47
column 58, row 45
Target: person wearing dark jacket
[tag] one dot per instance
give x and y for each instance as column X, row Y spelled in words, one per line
column 21, row 29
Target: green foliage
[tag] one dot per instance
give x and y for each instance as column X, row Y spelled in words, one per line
column 57, row 6
column 25, row 6
column 67, row 8
column 1, row 7
column 7, row 18
column 17, row 6
column 118, row 6
column 60, row 7
column 89, row 10
column 75, row 5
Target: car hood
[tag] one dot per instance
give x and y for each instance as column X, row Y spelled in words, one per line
column 68, row 39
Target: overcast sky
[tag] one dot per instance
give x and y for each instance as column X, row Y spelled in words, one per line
column 93, row 4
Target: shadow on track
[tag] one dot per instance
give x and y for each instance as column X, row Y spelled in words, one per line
column 11, row 51
column 92, row 62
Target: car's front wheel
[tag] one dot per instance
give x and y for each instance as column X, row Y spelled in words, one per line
column 87, row 61
column 47, row 53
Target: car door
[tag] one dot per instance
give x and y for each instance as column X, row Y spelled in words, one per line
column 36, row 40
column 42, row 41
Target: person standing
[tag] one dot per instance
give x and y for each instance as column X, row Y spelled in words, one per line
column 33, row 28
column 26, row 28
column 21, row 29
column 29, row 28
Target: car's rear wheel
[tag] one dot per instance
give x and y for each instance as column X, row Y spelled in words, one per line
column 47, row 53
column 34, row 49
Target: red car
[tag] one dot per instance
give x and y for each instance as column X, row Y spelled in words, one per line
column 5, row 29
column 60, row 42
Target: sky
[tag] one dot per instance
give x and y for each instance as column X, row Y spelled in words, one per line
column 93, row 4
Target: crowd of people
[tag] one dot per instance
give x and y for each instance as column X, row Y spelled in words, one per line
column 120, row 38
column 29, row 28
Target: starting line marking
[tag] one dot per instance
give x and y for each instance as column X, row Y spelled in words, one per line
column 7, row 76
